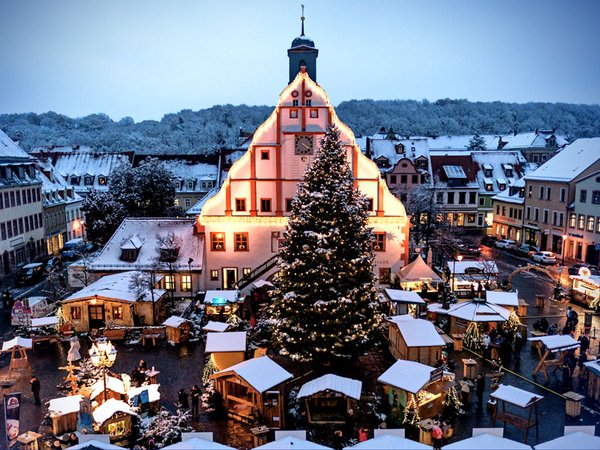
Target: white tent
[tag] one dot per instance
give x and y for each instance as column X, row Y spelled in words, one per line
column 197, row 444
column 388, row 442
column 516, row 396
column 17, row 342
column 94, row 444
column 400, row 296
column 479, row 311
column 486, row 441
column 418, row 270
column 292, row 443
column 572, row 441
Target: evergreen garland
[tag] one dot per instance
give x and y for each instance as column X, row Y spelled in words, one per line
column 411, row 413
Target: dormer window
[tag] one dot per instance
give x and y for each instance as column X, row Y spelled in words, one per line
column 399, row 149
column 75, row 180
column 487, row 170
column 130, row 249
column 489, row 184
column 508, row 170
column 421, row 163
column 88, row 180
column 169, row 254
column 551, row 141
column 190, row 184
column 102, row 181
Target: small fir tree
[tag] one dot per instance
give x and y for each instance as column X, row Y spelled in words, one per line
column 477, row 143
column 325, row 300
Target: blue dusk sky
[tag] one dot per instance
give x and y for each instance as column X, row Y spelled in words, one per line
column 146, row 58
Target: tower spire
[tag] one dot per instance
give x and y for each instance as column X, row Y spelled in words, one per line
column 302, row 19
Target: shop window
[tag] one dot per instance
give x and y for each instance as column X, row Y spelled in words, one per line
column 75, row 312
column 117, row 313
column 217, row 242
column 240, row 204
column 241, row 242
column 379, row 241
column 186, row 283
column 214, row 275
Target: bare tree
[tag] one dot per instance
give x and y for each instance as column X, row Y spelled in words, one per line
column 168, row 257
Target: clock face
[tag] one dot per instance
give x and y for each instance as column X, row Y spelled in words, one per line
column 303, row 145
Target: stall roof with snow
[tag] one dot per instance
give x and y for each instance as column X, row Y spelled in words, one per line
column 215, row 326
column 516, row 396
column 175, row 321
column 17, row 342
column 261, row 373
column 330, row 382
column 94, row 444
column 109, row 408
column 44, row 321
column 571, row 441
column 557, row 342
column 262, row 283
column 462, row 267
column 409, row 376
column 478, row 311
column 503, row 298
column 486, row 441
column 64, row 405
column 389, row 442
column 230, row 341
column 153, row 392
column 112, row 384
column 217, row 298
column 292, row 443
column 417, row 332
column 400, row 296
column 196, row 443
column 418, row 270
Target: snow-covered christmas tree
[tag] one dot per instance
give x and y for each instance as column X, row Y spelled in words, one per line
column 325, row 299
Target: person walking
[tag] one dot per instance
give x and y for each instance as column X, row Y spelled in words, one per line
column 436, row 435
column 195, row 394
column 35, row 388
column 465, row 393
column 479, row 388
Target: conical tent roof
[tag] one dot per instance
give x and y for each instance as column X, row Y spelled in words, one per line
column 479, row 311
column 418, row 270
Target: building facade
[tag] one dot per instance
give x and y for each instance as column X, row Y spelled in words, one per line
column 507, row 209
column 583, row 228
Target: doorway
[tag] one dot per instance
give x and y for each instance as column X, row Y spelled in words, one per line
column 230, row 277
column 96, row 315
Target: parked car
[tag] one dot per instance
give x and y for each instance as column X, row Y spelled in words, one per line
column 544, row 257
column 73, row 249
column 527, row 250
column 575, row 268
column 30, row 274
column 507, row 244
column 490, row 241
column 468, row 249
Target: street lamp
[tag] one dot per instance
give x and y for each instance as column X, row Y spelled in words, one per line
column 562, row 248
column 103, row 355
column 190, row 261
column 459, row 258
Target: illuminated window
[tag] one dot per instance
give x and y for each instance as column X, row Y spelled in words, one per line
column 186, row 283
column 117, row 312
column 265, row 204
column 590, row 223
column 169, row 282
column 217, row 242
column 581, row 222
column 379, row 242
column 241, row 242
column 214, row 275
column 264, row 154
column 75, row 312
column 240, row 204
column 102, row 181
column 246, row 271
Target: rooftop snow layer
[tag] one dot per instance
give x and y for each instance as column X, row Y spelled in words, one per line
column 261, row 373
column 231, row 341
column 330, row 382
column 419, row 333
column 107, row 409
column 400, row 296
column 409, row 376
column 503, row 298
column 9, row 150
column 115, row 287
column 487, row 441
column 515, row 395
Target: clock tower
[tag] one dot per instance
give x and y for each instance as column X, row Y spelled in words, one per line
column 303, row 53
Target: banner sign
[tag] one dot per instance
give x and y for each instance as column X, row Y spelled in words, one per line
column 12, row 407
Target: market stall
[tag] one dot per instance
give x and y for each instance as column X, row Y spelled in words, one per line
column 178, row 329
column 146, row 398
column 508, row 300
column 389, row 442
column 115, row 388
column 64, row 413
column 468, row 277
column 585, row 289
column 486, row 441
column 29, row 308
column 414, row 340
column 254, row 388
column 292, row 442
column 521, row 399
column 221, row 303
column 17, row 347
column 418, row 276
column 227, row 348
column 328, row 398
column 559, row 344
column 197, row 443
column 410, row 381
column 114, row 417
column 217, row 327
column 571, row 441
column 94, row 444
column 593, row 368
column 404, row 302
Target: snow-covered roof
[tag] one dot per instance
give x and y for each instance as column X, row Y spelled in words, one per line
column 499, row 161
column 215, row 326
column 94, row 444
column 261, row 373
column 262, row 283
column 410, row 376
column 418, row 270
column 196, row 443
column 64, row 405
column 187, row 170
column 400, row 296
column 570, row 162
column 192, row 245
column 418, row 333
column 9, row 150
column 460, row 142
column 221, row 297
column 389, row 442
column 115, row 287
column 292, row 443
column 44, row 321
column 502, row 298
column 511, row 141
column 516, row 396
column 571, row 441
column 174, row 321
column 557, row 342
column 459, row 267
column 112, row 383
column 110, row 407
column 153, row 392
column 486, row 441
column 330, row 382
column 230, row 341
column 132, row 243
column 197, row 208
column 17, row 342
column 479, row 311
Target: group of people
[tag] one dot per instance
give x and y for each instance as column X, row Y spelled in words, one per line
column 508, row 342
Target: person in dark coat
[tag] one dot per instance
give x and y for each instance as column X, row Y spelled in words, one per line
column 35, row 388
column 183, row 399
column 479, row 388
column 518, row 344
column 195, row 394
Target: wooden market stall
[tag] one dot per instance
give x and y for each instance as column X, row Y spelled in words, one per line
column 593, row 368
column 96, row 443
column 178, row 329
column 217, row 327
column 29, row 308
column 111, row 301
column 404, row 302
column 414, row 340
column 254, row 388
column 227, row 348
column 114, row 417
column 197, row 443
column 464, row 316
column 470, row 276
column 410, row 381
column 575, row 440
column 508, row 300
column 487, row 441
column 418, row 276
column 221, row 303
column 115, row 388
column 328, row 398
column 64, row 413
column 521, row 399
column 146, row 398
column 17, row 347
column 559, row 344
column 387, row 440
column 585, row 289
column 292, row 442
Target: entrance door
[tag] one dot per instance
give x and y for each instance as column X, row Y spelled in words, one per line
column 96, row 315
column 229, row 277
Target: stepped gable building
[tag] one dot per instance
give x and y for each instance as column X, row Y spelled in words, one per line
column 243, row 221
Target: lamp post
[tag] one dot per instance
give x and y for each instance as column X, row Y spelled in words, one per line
column 103, row 355
column 459, row 258
column 190, row 261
